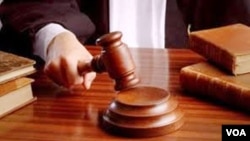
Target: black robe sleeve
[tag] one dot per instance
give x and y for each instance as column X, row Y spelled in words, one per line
column 23, row 18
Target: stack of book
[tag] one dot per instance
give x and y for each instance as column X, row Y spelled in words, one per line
column 15, row 86
column 225, row 76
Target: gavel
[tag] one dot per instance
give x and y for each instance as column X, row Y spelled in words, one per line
column 116, row 60
column 136, row 111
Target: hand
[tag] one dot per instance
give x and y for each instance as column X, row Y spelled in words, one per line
column 64, row 55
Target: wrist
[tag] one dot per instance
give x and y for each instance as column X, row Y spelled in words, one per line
column 44, row 36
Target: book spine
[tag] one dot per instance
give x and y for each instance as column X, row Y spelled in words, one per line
column 199, row 84
column 213, row 53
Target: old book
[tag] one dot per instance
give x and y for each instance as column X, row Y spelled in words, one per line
column 15, row 94
column 13, row 66
column 206, row 80
column 227, row 46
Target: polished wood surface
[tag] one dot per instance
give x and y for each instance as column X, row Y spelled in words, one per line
column 62, row 115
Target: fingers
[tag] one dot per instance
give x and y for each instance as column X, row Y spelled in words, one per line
column 50, row 69
column 85, row 70
column 63, row 55
column 70, row 72
column 65, row 73
column 88, row 79
column 74, row 77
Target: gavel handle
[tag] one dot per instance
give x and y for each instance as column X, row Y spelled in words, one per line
column 96, row 65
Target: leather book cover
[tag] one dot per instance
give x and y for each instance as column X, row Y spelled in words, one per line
column 206, row 80
column 13, row 66
column 228, row 47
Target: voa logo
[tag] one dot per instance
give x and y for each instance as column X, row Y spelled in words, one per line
column 236, row 132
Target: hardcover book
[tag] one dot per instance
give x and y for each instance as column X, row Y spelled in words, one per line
column 13, row 66
column 227, row 47
column 15, row 94
column 206, row 80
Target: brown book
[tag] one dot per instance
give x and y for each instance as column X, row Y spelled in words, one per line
column 13, row 66
column 15, row 94
column 206, row 80
column 227, row 46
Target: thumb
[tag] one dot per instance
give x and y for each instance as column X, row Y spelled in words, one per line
column 88, row 79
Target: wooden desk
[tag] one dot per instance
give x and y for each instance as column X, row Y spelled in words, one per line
column 60, row 115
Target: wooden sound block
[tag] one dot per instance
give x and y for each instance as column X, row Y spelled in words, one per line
column 142, row 112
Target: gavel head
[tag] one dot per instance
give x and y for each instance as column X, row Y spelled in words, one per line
column 116, row 60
